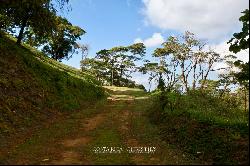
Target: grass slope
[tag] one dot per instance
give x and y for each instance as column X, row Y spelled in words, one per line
column 34, row 88
column 204, row 127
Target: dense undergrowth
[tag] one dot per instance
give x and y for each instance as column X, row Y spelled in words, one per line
column 213, row 130
column 34, row 88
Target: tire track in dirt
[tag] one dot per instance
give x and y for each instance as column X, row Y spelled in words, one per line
column 125, row 128
column 118, row 115
column 73, row 157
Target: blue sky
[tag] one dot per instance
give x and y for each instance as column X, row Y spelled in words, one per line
column 108, row 23
column 111, row 23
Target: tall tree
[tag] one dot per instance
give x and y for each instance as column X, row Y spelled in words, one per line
column 62, row 43
column 84, row 48
column 28, row 13
column 167, row 67
column 240, row 41
column 155, row 73
column 186, row 59
column 121, row 60
column 95, row 67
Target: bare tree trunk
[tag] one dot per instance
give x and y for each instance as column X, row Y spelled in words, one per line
column 121, row 76
column 194, row 74
column 245, row 99
column 20, row 35
column 184, row 80
column 112, row 77
column 206, row 75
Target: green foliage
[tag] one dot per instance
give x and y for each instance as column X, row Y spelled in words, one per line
column 211, row 87
column 35, row 88
column 242, row 76
column 156, row 71
column 56, row 35
column 182, row 59
column 137, row 49
column 161, row 84
column 29, row 13
column 211, row 129
column 141, row 87
column 114, row 66
column 62, row 42
column 240, row 41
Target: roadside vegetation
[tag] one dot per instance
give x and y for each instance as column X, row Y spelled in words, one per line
column 35, row 89
column 209, row 128
column 208, row 118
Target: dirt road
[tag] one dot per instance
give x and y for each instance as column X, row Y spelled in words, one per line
column 114, row 131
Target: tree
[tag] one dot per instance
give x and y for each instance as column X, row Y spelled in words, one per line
column 242, row 78
column 187, row 54
column 149, row 68
column 84, row 48
column 231, row 77
column 107, row 58
column 30, row 14
column 95, row 67
column 62, row 42
column 211, row 87
column 166, row 69
column 240, row 41
column 120, row 61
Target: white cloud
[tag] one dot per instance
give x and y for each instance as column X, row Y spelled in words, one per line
column 155, row 40
column 211, row 19
column 223, row 50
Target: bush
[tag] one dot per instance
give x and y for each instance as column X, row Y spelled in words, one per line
column 203, row 125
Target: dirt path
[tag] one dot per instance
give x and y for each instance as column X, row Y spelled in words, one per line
column 115, row 131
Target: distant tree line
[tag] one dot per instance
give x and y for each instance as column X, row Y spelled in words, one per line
column 115, row 66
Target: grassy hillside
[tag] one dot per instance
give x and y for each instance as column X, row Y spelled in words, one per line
column 212, row 130
column 34, row 88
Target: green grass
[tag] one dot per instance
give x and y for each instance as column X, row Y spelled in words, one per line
column 125, row 91
column 35, row 88
column 148, row 134
column 204, row 127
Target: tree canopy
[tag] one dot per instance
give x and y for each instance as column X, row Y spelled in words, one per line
column 62, row 42
column 240, row 41
column 183, row 59
column 28, row 13
column 56, row 35
column 116, row 64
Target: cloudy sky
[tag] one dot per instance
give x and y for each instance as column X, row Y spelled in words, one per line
column 112, row 23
